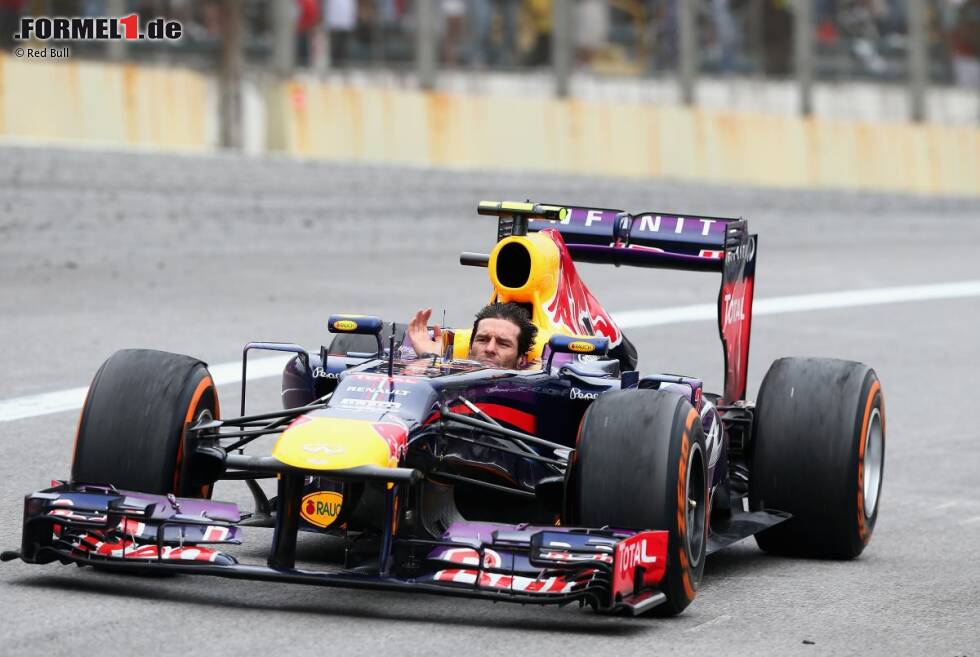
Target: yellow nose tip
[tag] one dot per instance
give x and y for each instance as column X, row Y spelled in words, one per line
column 327, row 443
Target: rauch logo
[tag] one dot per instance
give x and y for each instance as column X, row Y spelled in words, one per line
column 321, row 508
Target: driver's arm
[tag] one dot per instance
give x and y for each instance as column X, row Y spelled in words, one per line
column 418, row 333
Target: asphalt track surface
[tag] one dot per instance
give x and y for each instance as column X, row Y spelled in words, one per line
column 198, row 255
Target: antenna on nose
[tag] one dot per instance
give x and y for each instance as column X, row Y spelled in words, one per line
column 391, row 352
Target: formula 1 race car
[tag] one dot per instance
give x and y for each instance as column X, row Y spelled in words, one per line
column 576, row 479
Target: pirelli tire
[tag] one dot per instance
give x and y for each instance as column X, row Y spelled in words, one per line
column 640, row 463
column 818, row 452
column 131, row 433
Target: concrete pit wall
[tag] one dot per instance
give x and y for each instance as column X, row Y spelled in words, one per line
column 174, row 109
column 102, row 104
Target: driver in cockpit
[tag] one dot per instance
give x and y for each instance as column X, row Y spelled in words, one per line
column 502, row 336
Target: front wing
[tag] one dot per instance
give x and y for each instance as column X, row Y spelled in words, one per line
column 611, row 570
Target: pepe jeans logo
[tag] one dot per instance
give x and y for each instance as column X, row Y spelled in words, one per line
column 322, row 508
column 575, row 393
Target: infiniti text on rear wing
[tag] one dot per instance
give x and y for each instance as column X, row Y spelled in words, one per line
column 658, row 240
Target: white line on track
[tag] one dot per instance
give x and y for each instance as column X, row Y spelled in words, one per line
column 724, row 618
column 803, row 302
column 260, row 368
column 72, row 399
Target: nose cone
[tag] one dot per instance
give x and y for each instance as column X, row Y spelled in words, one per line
column 331, row 443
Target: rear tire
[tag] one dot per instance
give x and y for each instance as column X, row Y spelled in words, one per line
column 131, row 431
column 639, row 462
column 818, row 452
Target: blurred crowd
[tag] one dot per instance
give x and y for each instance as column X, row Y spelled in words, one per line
column 852, row 38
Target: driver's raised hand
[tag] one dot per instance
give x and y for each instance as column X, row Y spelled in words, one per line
column 418, row 332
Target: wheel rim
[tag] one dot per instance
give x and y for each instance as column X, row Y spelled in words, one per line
column 874, row 453
column 694, row 491
column 204, row 415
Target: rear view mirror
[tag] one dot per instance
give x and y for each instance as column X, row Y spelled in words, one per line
column 579, row 344
column 359, row 324
column 356, row 325
column 586, row 345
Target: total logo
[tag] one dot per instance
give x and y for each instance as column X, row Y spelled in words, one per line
column 575, row 393
column 734, row 309
column 321, row 508
column 633, row 554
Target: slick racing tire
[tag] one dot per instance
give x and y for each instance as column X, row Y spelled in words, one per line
column 640, row 463
column 344, row 343
column 131, row 433
column 818, row 452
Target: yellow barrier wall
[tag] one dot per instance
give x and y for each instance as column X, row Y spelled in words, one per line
column 572, row 136
column 128, row 105
column 123, row 105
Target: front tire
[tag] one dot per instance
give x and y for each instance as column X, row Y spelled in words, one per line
column 818, row 452
column 640, row 463
column 131, row 431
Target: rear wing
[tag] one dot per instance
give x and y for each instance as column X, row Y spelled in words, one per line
column 657, row 240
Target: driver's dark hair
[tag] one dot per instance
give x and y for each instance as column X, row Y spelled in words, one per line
column 512, row 313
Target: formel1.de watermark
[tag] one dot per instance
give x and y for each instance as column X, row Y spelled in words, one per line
column 90, row 28
column 62, row 29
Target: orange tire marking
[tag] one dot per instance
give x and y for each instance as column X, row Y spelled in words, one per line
column 862, row 525
column 203, row 385
column 78, row 427
column 682, row 505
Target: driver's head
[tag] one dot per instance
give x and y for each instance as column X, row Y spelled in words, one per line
column 502, row 336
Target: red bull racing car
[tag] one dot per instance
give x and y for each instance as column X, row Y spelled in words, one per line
column 576, row 479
